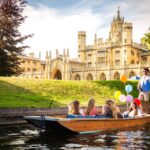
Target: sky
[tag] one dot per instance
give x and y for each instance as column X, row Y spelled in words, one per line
column 55, row 23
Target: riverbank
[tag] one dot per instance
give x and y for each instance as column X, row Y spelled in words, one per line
column 39, row 93
column 15, row 116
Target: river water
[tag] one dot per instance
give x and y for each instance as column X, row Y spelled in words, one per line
column 27, row 137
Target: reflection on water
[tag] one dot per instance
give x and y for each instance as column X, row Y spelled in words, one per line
column 29, row 137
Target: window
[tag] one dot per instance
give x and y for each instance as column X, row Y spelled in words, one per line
column 28, row 69
column 34, row 62
column 117, row 62
column 132, row 62
column 23, row 69
column 77, row 77
column 117, row 76
column 101, row 53
column 34, row 69
column 144, row 59
column 101, row 60
column 102, row 76
column 132, row 53
column 125, row 40
column 117, row 53
column 89, row 56
column 89, row 64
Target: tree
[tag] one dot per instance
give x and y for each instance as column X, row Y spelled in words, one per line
column 146, row 39
column 11, row 40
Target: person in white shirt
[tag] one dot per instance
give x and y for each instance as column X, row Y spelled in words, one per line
column 144, row 85
column 134, row 111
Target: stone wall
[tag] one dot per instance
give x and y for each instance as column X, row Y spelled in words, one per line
column 13, row 116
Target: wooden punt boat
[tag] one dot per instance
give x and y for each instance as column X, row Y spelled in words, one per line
column 61, row 124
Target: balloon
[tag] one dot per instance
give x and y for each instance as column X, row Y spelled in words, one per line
column 129, row 98
column 128, row 88
column 117, row 94
column 137, row 101
column 122, row 98
column 123, row 78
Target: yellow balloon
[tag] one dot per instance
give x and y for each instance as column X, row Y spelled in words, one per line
column 123, row 78
column 117, row 94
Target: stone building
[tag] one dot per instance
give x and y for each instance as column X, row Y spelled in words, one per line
column 104, row 60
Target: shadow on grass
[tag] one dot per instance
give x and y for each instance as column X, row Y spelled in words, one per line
column 116, row 85
column 12, row 96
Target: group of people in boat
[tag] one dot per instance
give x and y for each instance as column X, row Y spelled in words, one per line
column 108, row 110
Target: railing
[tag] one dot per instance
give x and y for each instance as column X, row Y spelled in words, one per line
column 106, row 67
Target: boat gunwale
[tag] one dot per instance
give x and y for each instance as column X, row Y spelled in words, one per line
column 51, row 118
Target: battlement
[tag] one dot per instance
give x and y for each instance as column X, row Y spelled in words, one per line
column 141, row 46
column 81, row 33
column 127, row 25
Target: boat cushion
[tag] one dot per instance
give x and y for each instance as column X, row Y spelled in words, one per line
column 80, row 116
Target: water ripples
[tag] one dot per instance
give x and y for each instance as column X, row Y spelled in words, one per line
column 28, row 137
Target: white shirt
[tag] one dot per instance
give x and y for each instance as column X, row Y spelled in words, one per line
column 139, row 113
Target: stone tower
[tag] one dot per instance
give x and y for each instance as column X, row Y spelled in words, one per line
column 81, row 45
column 116, row 28
column 81, row 40
column 127, row 34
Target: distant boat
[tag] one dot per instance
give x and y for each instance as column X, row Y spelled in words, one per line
column 135, row 78
column 59, row 124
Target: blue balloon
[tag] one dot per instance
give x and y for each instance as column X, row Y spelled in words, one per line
column 128, row 88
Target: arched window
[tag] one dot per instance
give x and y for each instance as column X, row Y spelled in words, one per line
column 89, row 77
column 116, row 76
column 58, row 75
column 77, row 77
column 131, row 74
column 102, row 76
column 132, row 62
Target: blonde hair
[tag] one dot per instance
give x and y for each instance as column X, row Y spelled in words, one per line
column 112, row 106
column 74, row 107
column 90, row 106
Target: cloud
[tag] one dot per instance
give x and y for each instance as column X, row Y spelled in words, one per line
column 56, row 28
column 54, row 31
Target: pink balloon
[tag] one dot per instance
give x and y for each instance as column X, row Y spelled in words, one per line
column 129, row 98
column 122, row 98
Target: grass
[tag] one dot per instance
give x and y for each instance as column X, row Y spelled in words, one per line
column 37, row 93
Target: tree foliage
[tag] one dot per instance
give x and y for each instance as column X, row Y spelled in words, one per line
column 11, row 40
column 146, row 39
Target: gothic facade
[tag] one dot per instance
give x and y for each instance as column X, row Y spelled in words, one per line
column 104, row 60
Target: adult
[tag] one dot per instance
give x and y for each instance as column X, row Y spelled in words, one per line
column 134, row 110
column 91, row 109
column 74, row 108
column 111, row 110
column 144, row 85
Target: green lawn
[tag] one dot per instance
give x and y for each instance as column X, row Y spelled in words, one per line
column 16, row 92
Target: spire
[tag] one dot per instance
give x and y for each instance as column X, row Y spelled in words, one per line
column 50, row 55
column 118, row 17
column 118, row 12
column 39, row 54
